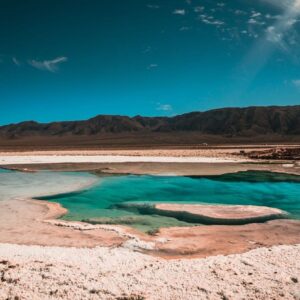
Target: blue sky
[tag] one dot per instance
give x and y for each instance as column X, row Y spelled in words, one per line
column 74, row 59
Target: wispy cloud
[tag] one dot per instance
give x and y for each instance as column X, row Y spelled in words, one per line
column 199, row 9
column 164, row 107
column 277, row 32
column 256, row 22
column 153, row 6
column 184, row 28
column 16, row 61
column 146, row 50
column 274, row 36
column 255, row 14
column 296, row 83
column 256, row 18
column 240, row 12
column 48, row 65
column 210, row 20
column 181, row 12
column 152, row 66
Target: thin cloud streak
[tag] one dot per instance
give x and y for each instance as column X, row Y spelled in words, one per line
column 152, row 66
column 48, row 65
column 16, row 61
column 164, row 107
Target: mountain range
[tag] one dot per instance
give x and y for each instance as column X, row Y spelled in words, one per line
column 225, row 125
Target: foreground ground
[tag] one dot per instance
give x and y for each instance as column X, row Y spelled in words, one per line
column 174, row 263
column 32, row 272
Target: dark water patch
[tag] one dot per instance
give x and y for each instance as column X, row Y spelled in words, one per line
column 253, row 176
column 6, row 170
column 62, row 195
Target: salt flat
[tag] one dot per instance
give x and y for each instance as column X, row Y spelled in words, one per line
column 34, row 272
column 39, row 159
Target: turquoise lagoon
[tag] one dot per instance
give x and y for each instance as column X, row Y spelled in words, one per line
column 113, row 199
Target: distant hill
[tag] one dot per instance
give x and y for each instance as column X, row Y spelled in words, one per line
column 278, row 123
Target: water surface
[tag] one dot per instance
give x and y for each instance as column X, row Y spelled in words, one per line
column 15, row 184
column 102, row 202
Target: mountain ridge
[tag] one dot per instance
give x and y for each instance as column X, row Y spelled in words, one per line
column 228, row 123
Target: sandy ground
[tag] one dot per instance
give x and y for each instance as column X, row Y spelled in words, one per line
column 33, row 272
column 24, row 222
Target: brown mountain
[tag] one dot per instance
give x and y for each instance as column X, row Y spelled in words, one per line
column 252, row 124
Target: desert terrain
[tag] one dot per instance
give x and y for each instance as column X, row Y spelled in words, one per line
column 31, row 234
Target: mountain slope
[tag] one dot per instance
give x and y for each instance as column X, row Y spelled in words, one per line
column 227, row 123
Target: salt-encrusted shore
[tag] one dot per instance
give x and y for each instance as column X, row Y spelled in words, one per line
column 33, row 222
column 186, row 162
column 222, row 211
column 37, row 159
column 220, row 214
column 34, row 272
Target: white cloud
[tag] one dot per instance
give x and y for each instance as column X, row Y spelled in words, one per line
column 282, row 33
column 210, row 20
column 181, row 12
column 272, row 17
column 199, row 9
column 255, row 14
column 277, row 33
column 153, row 6
column 152, row 66
column 48, row 65
column 16, row 61
column 282, row 3
column 254, row 21
column 274, row 35
column 240, row 12
column 184, row 28
column 147, row 49
column 164, row 107
column 296, row 83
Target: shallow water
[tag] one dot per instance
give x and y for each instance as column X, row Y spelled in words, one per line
column 101, row 203
column 15, row 184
